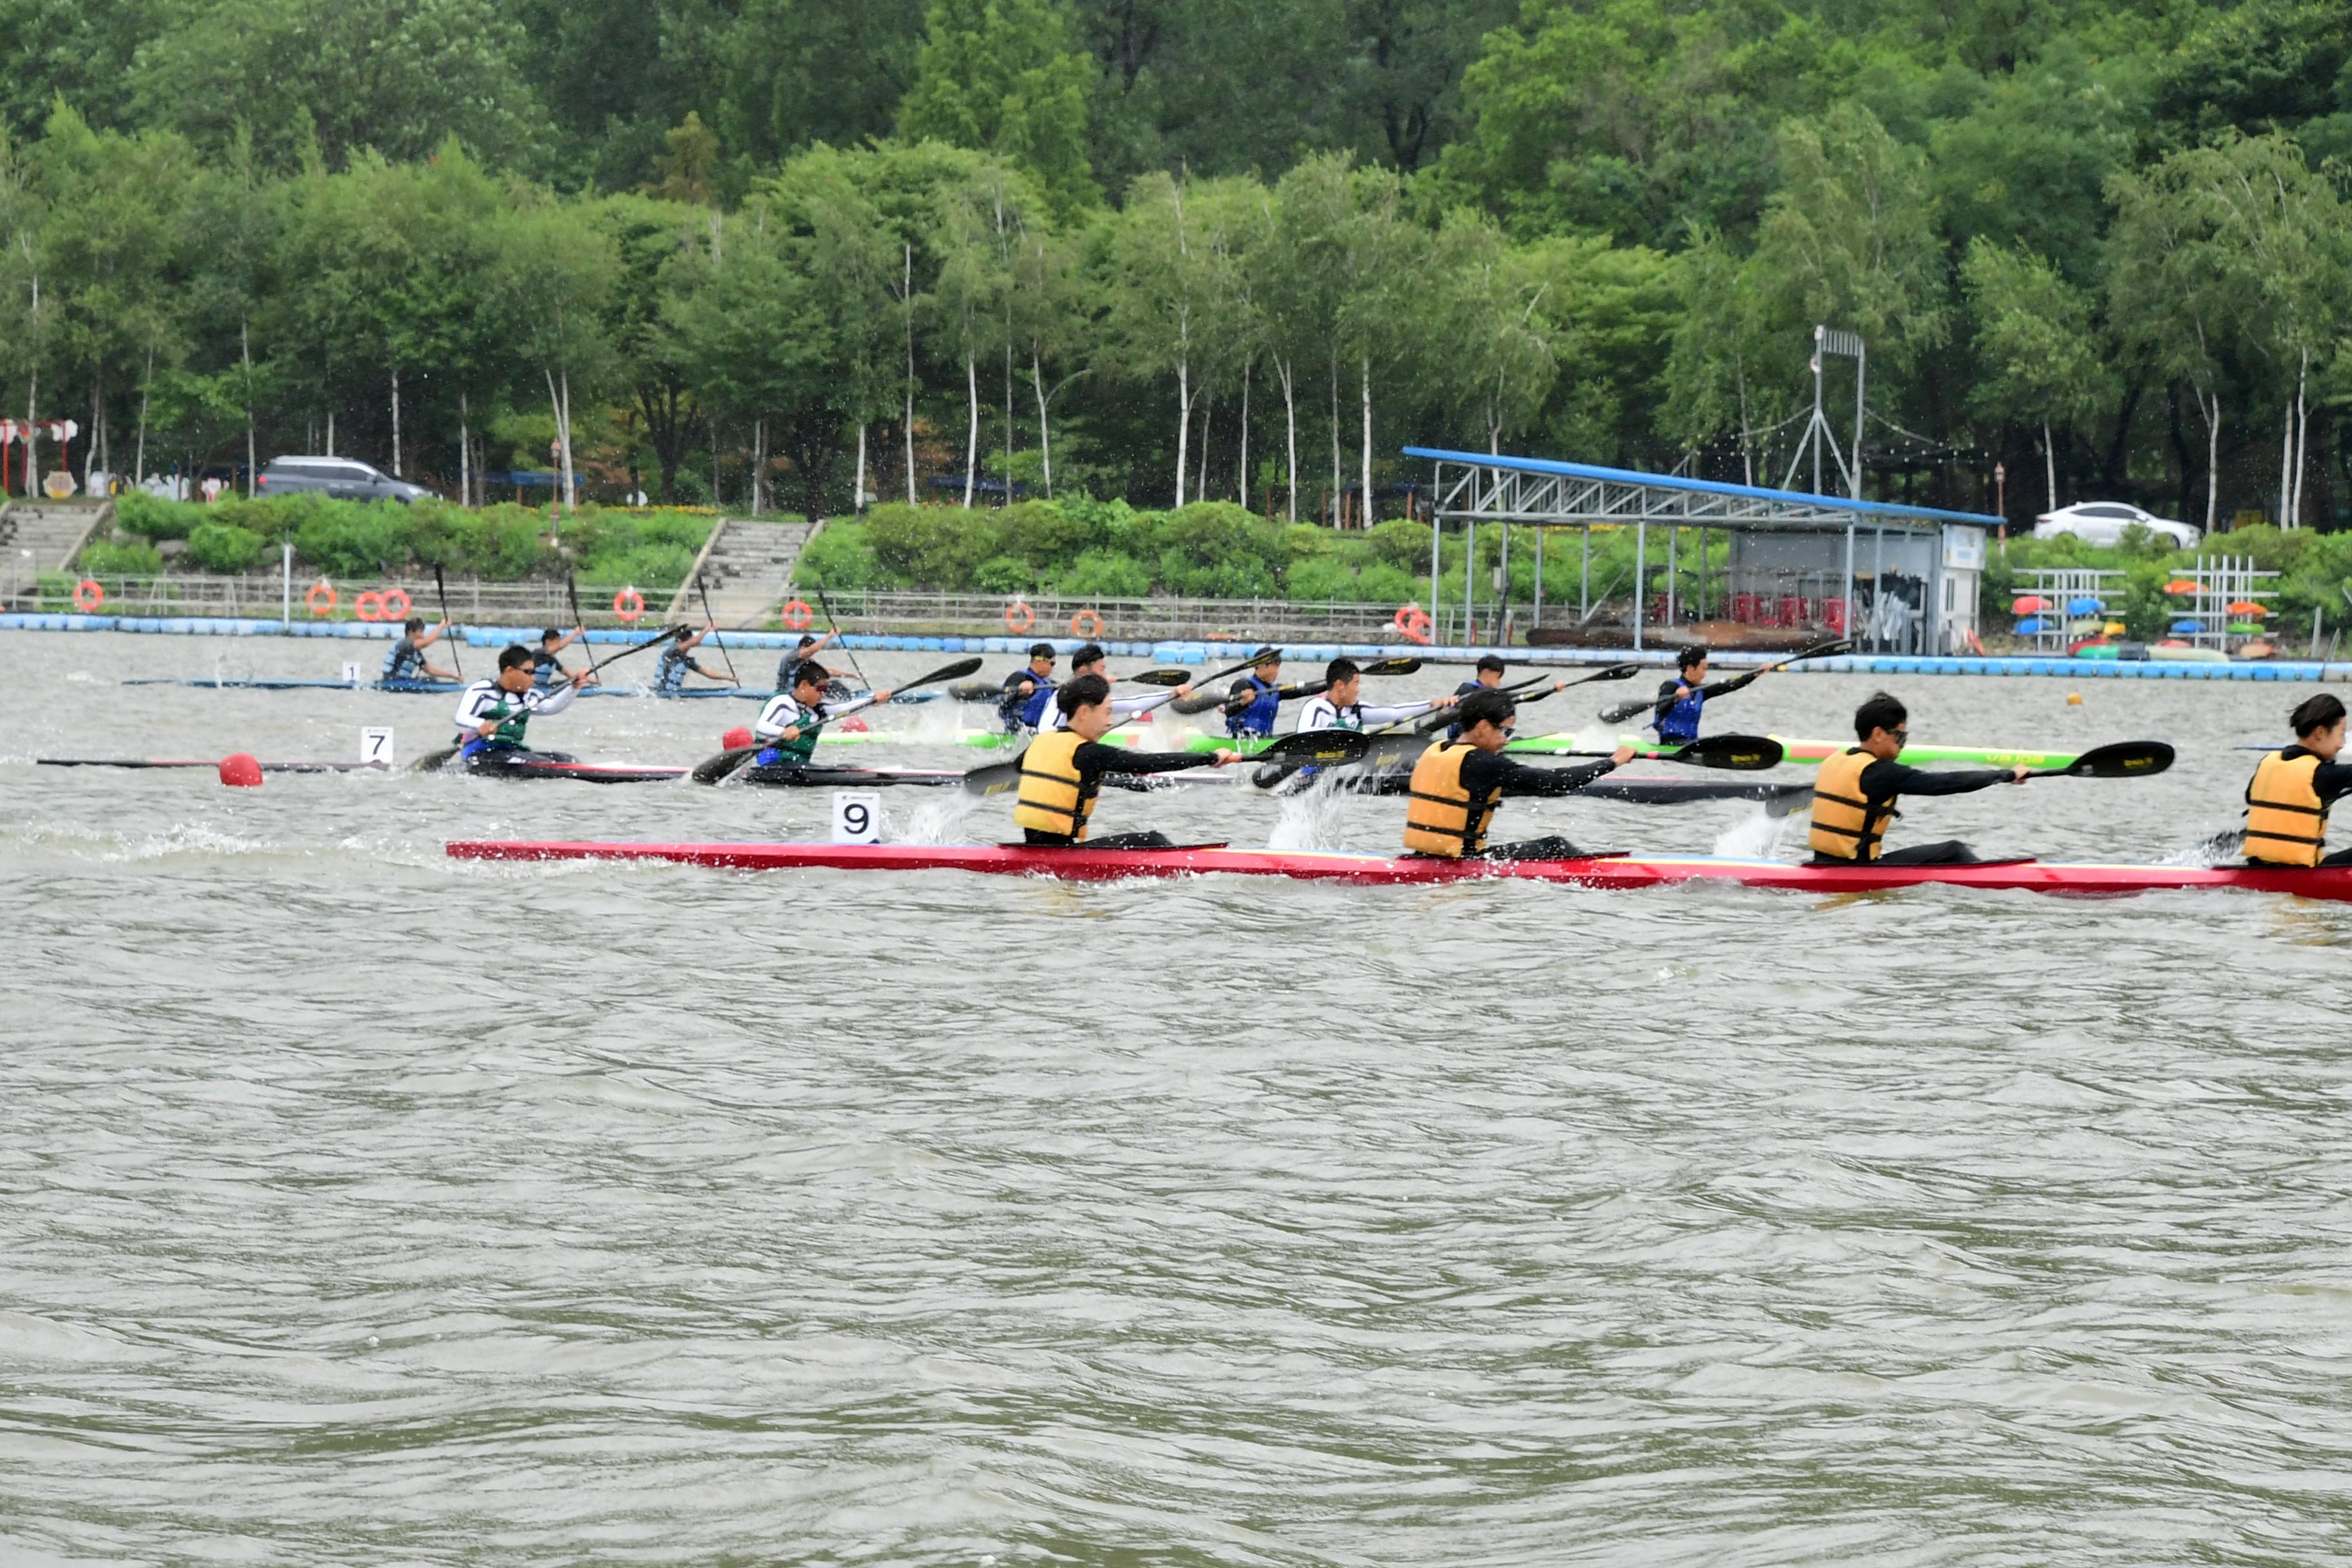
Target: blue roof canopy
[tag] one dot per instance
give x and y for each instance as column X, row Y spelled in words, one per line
column 1543, row 489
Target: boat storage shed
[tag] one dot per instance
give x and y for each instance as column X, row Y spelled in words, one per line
column 1904, row 579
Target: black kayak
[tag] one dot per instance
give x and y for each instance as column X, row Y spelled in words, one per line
column 1780, row 798
column 520, row 765
column 783, row 775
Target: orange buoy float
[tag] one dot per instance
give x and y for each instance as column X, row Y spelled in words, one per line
column 322, row 599
column 797, row 616
column 87, row 595
column 239, row 770
column 738, row 738
column 369, row 606
column 629, row 605
column 1019, row 617
column 1087, row 624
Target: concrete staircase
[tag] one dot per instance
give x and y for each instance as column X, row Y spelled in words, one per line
column 746, row 566
column 45, row 536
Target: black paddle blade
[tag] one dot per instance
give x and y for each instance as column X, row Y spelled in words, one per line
column 1323, row 748
column 1618, row 712
column 1160, row 677
column 2123, row 759
column 434, row 762
column 955, row 671
column 1391, row 667
column 1738, row 754
column 1200, row 703
column 975, row 691
column 712, row 770
column 994, row 779
column 1615, row 672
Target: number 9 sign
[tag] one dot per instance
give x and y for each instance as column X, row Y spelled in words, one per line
column 857, row 817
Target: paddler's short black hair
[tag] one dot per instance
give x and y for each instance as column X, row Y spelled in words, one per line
column 1339, row 670
column 1493, row 661
column 1691, row 657
column 809, row 672
column 2313, row 713
column 1041, row 651
column 1879, row 711
column 514, row 655
column 1090, row 654
column 549, row 635
column 1084, row 692
column 1488, row 707
column 412, row 623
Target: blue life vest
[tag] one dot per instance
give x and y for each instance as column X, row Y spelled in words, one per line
column 1017, row 711
column 1032, row 712
column 1679, row 723
column 671, row 677
column 404, row 661
column 544, row 668
column 1257, row 718
column 1453, row 731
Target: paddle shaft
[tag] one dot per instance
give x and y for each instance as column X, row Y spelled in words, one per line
column 712, row 621
column 441, row 592
column 840, row 636
column 1625, row 710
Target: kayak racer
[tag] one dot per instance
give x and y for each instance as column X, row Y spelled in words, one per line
column 1062, row 772
column 677, row 662
column 1856, row 792
column 493, row 715
column 2288, row 798
column 1457, row 785
column 1028, row 691
column 788, row 726
column 1092, row 660
column 404, row 665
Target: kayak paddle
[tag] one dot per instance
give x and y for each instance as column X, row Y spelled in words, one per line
column 1325, row 748
column 713, row 770
column 441, row 592
column 2123, row 759
column 826, row 606
column 1624, row 710
column 1445, row 716
column 1201, row 701
column 1186, row 678
column 1738, row 754
column 712, row 621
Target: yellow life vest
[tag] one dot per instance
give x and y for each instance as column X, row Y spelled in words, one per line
column 2287, row 822
column 1052, row 798
column 1847, row 826
column 1441, row 815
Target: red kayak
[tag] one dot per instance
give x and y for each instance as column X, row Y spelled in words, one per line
column 1081, row 864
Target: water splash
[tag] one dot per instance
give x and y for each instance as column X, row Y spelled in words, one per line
column 939, row 819
column 1308, row 820
column 1756, row 836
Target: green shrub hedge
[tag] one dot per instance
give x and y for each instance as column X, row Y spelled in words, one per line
column 358, row 540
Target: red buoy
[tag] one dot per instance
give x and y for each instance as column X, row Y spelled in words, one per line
column 239, row 770
column 735, row 740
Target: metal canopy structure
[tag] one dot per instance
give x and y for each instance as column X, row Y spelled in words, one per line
column 1471, row 487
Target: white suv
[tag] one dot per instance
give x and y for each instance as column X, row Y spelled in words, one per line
column 2103, row 521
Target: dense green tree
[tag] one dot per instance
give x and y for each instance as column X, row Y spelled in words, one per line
column 999, row 76
column 2037, row 335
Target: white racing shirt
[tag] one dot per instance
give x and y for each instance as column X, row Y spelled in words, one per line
column 1120, row 708
column 1321, row 713
column 487, row 699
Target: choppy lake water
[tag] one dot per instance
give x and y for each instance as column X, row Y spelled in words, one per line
column 359, row 1206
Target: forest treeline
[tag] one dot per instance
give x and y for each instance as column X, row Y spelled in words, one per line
column 743, row 251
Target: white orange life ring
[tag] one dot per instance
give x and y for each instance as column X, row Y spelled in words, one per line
column 1019, row 617
column 322, row 598
column 369, row 605
column 629, row 605
column 796, row 615
column 1413, row 624
column 1087, row 624
column 395, row 605
column 89, row 595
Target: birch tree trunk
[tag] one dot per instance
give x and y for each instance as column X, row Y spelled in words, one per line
column 2213, row 409
column 1044, row 441
column 857, row 503
column 759, row 460
column 395, row 423
column 331, row 432
column 2302, row 434
column 1337, row 501
column 245, row 352
column 1241, row 473
column 1201, row 479
column 465, row 452
column 1183, row 421
column 33, row 408
column 971, row 437
column 1290, row 428
column 1364, row 517
column 908, row 424
column 2049, row 465
column 2286, row 469
column 139, row 449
